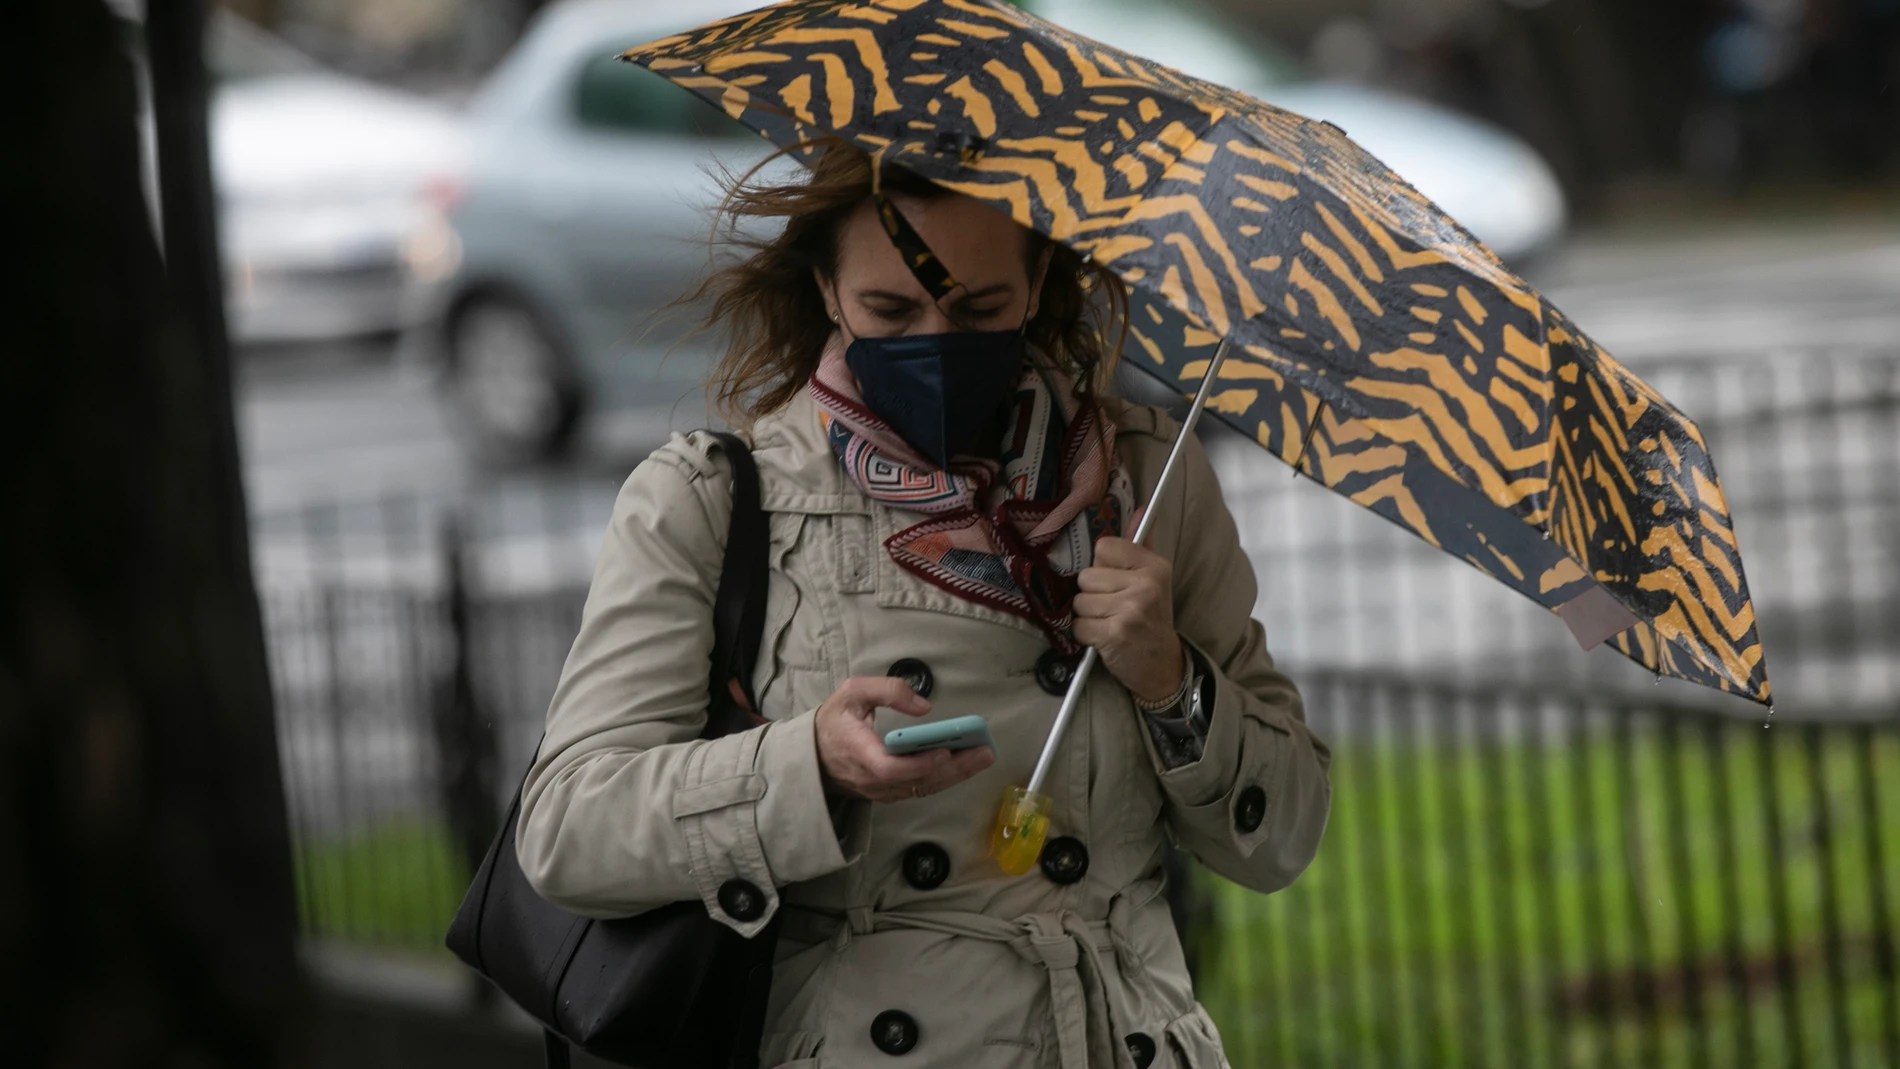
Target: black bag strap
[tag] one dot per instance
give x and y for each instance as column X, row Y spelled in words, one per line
column 738, row 628
column 739, row 606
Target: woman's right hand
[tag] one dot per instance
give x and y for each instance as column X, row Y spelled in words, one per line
column 853, row 756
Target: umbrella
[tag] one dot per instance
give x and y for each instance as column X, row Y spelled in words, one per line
column 1325, row 308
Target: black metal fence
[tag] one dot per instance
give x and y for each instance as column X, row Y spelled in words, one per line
column 1520, row 878
column 1535, row 857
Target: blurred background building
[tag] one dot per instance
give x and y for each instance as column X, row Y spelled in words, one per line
column 447, row 224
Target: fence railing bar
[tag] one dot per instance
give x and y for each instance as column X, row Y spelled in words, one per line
column 1318, row 951
column 1636, row 887
column 390, row 618
column 1545, row 908
column 378, row 790
column 1358, row 919
column 414, row 619
column 1716, row 740
column 1501, row 861
column 1419, row 821
column 292, row 738
column 1423, row 995
column 1302, row 995
column 1469, row 967
column 1236, row 963
column 1284, row 980
column 1688, row 940
column 324, row 548
column 1596, row 919
column 334, row 710
column 1778, row 905
column 1886, row 957
column 1399, row 1038
column 1830, row 897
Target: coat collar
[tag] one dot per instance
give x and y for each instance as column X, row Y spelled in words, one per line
column 798, row 470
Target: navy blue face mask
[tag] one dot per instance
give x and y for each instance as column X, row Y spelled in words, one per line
column 939, row 391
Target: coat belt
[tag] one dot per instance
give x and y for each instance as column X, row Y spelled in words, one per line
column 1066, row 946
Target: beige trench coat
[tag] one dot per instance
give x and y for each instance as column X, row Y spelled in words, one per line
column 881, row 947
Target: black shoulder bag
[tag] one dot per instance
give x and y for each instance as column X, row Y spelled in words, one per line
column 671, row 988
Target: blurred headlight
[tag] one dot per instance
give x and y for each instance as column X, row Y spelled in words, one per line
column 434, row 251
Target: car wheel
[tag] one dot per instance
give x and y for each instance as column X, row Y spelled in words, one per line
column 511, row 382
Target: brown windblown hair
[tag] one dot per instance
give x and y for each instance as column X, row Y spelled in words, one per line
column 769, row 306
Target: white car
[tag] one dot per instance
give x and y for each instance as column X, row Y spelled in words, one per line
column 321, row 180
column 1497, row 186
column 583, row 207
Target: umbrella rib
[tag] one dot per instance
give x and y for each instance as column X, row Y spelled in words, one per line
column 1307, row 439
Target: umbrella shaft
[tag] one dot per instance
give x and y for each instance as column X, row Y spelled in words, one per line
column 1089, row 656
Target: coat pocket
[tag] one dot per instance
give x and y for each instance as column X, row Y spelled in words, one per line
column 1194, row 1042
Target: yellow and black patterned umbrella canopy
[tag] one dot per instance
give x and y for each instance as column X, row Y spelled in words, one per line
column 1374, row 344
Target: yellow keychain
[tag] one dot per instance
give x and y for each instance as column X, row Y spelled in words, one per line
column 1022, row 820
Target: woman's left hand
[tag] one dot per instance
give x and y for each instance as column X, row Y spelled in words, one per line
column 1126, row 611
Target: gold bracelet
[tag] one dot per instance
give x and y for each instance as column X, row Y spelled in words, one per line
column 1180, row 693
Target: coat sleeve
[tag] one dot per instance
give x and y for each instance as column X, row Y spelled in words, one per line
column 1254, row 807
column 625, row 808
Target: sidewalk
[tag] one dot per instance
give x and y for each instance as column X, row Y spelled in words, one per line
column 388, row 1010
column 1699, row 290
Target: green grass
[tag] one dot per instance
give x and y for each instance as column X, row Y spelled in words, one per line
column 1460, row 891
column 396, row 884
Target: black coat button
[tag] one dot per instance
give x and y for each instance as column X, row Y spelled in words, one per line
column 1053, row 672
column 1065, row 860
column 1250, row 809
column 914, row 672
column 1140, row 1048
column 894, row 1032
column 926, row 866
column 741, row 900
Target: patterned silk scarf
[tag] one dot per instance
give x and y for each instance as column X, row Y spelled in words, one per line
column 1011, row 532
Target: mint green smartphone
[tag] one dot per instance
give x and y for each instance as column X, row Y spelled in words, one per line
column 957, row 733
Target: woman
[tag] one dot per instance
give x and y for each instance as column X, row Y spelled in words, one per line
column 941, row 544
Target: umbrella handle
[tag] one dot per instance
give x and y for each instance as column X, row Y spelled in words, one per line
column 1089, row 657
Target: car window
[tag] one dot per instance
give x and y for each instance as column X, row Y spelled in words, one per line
column 614, row 95
column 1193, row 37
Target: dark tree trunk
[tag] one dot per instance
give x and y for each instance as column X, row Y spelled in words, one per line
column 146, row 911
